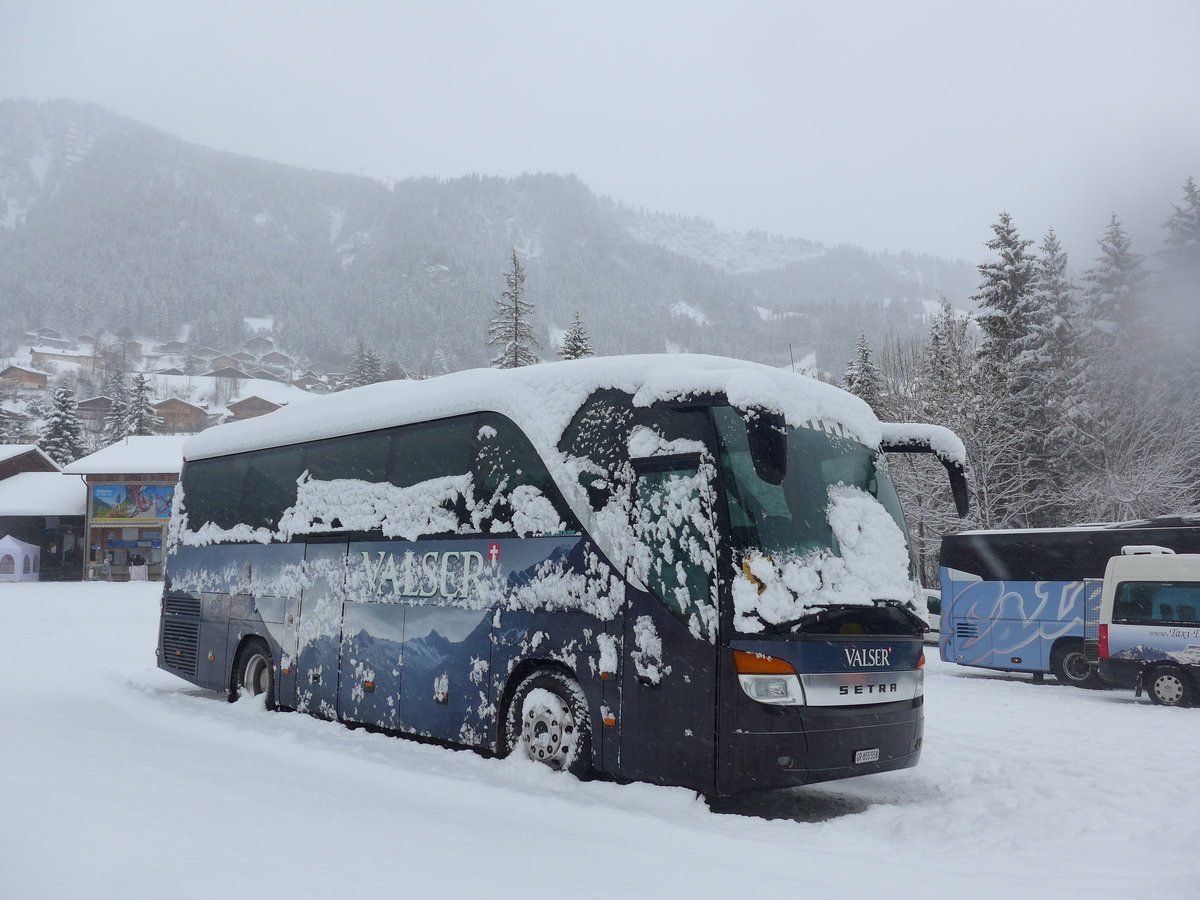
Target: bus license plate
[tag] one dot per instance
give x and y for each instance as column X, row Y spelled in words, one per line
column 866, row 756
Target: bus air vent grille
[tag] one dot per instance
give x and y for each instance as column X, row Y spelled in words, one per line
column 181, row 606
column 180, row 644
column 966, row 629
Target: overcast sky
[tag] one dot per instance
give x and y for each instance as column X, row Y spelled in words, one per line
column 892, row 125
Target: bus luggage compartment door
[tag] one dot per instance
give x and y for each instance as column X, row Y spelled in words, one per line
column 320, row 635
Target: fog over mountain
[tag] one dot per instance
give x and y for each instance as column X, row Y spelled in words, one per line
column 106, row 223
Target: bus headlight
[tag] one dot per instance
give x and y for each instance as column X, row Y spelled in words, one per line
column 782, row 689
column 768, row 679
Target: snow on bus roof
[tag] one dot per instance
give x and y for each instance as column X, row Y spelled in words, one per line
column 542, row 400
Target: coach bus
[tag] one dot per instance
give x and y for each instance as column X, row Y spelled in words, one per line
column 1014, row 600
column 679, row 569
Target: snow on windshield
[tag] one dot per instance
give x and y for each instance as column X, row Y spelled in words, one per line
column 873, row 565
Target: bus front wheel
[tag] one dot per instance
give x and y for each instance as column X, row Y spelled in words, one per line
column 254, row 673
column 1070, row 666
column 547, row 721
column 1168, row 686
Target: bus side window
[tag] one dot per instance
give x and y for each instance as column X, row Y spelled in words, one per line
column 270, row 486
column 219, row 501
column 513, row 488
column 432, row 450
column 675, row 557
column 363, row 457
column 599, row 433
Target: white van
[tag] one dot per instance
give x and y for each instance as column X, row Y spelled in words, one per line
column 1149, row 625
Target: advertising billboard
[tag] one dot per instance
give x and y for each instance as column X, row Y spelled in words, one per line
column 131, row 502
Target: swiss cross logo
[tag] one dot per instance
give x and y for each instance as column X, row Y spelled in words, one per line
column 493, row 553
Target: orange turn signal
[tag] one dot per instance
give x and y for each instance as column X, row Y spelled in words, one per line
column 757, row 664
column 921, row 661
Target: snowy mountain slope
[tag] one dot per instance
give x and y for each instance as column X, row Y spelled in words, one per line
column 108, row 223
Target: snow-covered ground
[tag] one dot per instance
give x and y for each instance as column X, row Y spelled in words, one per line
column 120, row 781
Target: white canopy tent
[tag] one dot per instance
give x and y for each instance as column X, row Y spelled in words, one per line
column 19, row 561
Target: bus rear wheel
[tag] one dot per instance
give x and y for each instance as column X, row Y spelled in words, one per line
column 1070, row 666
column 548, row 722
column 254, row 673
column 1168, row 686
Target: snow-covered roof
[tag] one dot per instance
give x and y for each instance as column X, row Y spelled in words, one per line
column 12, row 451
column 43, row 494
column 152, row 454
column 196, row 387
column 542, row 399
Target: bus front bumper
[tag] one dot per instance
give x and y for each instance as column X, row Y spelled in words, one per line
column 784, row 747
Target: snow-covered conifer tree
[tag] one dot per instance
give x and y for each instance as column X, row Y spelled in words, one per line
column 1004, row 297
column 366, row 367
column 62, row 436
column 1047, row 382
column 140, row 417
column 1112, row 299
column 576, row 343
column 1006, row 318
column 510, row 328
column 116, row 419
column 1182, row 244
column 863, row 378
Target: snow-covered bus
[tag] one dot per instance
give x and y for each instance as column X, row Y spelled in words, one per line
column 1014, row 600
column 679, row 569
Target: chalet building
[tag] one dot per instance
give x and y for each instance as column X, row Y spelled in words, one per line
column 18, row 458
column 265, row 375
column 130, row 489
column 171, row 347
column 250, row 407
column 243, row 357
column 310, row 382
column 41, row 356
column 52, row 343
column 93, row 411
column 222, row 362
column 226, row 372
column 180, row 417
column 171, row 371
column 23, row 378
column 205, row 352
column 46, row 510
column 276, row 359
column 258, row 345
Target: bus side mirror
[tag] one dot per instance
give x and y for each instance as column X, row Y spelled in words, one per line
column 942, row 443
column 958, row 487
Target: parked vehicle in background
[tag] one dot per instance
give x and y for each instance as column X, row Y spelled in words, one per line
column 676, row 569
column 1013, row 600
column 1148, row 626
column 933, row 615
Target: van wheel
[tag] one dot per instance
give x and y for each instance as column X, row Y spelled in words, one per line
column 253, row 672
column 1070, row 665
column 548, row 722
column 1169, row 686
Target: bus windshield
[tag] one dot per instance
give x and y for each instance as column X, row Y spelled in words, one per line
column 786, row 535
